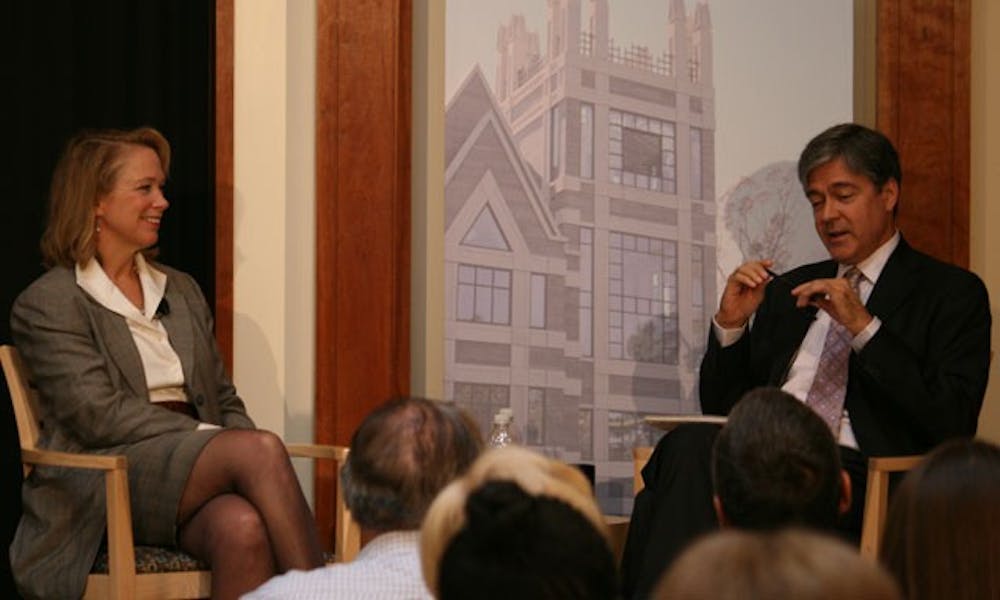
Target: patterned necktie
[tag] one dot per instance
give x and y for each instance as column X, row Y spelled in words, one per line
column 826, row 395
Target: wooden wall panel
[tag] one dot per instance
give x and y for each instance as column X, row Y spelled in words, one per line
column 362, row 218
column 923, row 106
column 224, row 179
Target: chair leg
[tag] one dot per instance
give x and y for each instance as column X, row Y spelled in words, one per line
column 121, row 552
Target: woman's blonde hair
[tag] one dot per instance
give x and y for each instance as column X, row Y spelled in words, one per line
column 87, row 170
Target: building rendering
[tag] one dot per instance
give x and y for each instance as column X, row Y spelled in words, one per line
column 580, row 240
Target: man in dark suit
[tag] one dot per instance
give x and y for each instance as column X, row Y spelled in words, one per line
column 915, row 335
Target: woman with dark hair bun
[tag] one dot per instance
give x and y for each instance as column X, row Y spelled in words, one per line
column 518, row 525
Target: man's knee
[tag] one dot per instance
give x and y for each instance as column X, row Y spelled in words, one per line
column 684, row 449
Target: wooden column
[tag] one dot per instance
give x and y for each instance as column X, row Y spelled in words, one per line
column 923, row 106
column 224, row 179
column 362, row 218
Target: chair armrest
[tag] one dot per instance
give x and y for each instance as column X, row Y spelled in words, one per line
column 893, row 464
column 318, row 451
column 121, row 549
column 51, row 458
column 669, row 422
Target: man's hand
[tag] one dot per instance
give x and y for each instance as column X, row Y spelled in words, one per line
column 743, row 294
column 837, row 298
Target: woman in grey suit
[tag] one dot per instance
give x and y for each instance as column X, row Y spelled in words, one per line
column 123, row 355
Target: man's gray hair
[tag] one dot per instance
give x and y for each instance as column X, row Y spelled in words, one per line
column 864, row 151
column 401, row 456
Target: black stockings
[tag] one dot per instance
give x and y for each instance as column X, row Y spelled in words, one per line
column 243, row 512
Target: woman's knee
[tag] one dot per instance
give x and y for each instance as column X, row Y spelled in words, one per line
column 250, row 448
column 260, row 445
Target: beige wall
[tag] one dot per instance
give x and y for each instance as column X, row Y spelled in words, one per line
column 273, row 228
column 985, row 182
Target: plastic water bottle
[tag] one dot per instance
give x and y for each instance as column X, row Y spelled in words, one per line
column 512, row 430
column 500, row 434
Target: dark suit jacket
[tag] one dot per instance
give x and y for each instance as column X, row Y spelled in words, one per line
column 93, row 396
column 918, row 381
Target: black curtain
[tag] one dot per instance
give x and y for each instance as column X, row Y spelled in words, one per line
column 75, row 64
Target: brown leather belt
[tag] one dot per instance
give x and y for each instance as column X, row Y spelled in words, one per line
column 185, row 408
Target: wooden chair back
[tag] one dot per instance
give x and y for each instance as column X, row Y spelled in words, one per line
column 23, row 397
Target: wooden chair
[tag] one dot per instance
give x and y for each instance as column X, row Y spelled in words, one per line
column 876, row 495
column 877, row 499
column 129, row 571
column 640, row 456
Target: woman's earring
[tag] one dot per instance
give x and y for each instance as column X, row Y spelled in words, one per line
column 97, row 226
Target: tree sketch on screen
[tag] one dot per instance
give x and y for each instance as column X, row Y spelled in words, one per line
column 769, row 217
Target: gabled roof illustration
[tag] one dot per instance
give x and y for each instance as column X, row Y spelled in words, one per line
column 478, row 142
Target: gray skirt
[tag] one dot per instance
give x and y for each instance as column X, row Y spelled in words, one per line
column 158, row 471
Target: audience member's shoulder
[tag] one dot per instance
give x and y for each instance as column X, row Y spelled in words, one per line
column 292, row 584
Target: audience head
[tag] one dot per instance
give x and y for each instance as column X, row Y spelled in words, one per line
column 401, row 456
column 517, row 525
column 776, row 463
column 942, row 534
column 87, row 171
column 864, row 151
column 762, row 565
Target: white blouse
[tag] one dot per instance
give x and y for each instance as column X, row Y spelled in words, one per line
column 162, row 366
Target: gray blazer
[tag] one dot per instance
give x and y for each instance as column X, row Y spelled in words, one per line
column 93, row 398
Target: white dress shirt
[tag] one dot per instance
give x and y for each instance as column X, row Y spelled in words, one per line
column 387, row 568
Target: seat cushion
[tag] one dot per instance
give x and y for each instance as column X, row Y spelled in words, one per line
column 154, row 559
